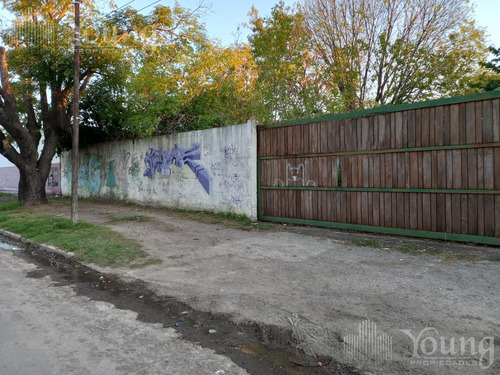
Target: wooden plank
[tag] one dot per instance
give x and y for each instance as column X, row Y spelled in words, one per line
column 440, row 212
column 371, row 176
column 413, row 211
column 395, row 170
column 425, row 127
column 438, row 126
column 465, row 212
column 454, row 124
column 400, row 204
column 314, row 140
column 449, row 169
column 495, row 118
column 448, row 214
column 434, row 168
column 427, row 169
column 456, row 212
column 401, row 183
column 441, row 169
column 398, row 127
column 457, row 169
column 387, row 209
column 446, row 125
column 418, row 127
column 388, row 171
column 480, row 215
column 365, row 169
column 392, row 126
column 488, row 171
column 497, row 216
column 411, row 129
column 365, row 212
column 383, row 176
column 375, row 196
column 472, row 218
column 420, row 170
column 433, row 212
column 364, row 126
column 426, row 212
column 376, row 170
column 480, row 169
column 432, row 126
column 359, row 134
column 470, row 125
column 496, row 167
column 354, row 207
column 472, row 169
column 419, row 212
column 394, row 212
column 489, row 215
column 487, row 122
column 479, row 122
column 461, row 119
column 465, row 170
column 342, row 142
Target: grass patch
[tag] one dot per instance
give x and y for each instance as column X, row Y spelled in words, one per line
column 137, row 218
column 89, row 242
column 414, row 248
column 233, row 220
column 366, row 242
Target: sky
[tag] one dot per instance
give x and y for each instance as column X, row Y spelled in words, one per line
column 225, row 16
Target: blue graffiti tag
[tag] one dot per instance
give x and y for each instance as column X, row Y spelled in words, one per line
column 160, row 161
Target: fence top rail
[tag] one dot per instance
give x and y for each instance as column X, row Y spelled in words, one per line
column 390, row 108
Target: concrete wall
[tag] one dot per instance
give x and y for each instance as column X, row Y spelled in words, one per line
column 9, row 179
column 213, row 170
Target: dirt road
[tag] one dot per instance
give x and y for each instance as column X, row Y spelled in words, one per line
column 323, row 289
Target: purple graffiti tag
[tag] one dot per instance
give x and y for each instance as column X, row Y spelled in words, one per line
column 160, row 161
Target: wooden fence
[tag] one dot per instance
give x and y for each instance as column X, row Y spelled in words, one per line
column 427, row 169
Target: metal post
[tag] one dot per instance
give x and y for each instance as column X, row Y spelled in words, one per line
column 75, row 155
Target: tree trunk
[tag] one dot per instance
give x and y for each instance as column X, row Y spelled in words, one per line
column 31, row 188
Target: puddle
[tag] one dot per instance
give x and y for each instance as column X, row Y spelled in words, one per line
column 260, row 349
column 7, row 246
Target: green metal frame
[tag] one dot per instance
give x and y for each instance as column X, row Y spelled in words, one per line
column 385, row 151
column 386, row 230
column 382, row 190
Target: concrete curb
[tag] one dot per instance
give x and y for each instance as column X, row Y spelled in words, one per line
column 27, row 241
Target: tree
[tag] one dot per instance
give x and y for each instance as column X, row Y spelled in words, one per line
column 36, row 72
column 290, row 82
column 491, row 79
column 395, row 51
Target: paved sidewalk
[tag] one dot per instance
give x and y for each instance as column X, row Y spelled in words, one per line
column 321, row 286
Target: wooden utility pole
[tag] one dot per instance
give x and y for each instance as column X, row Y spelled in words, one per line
column 75, row 154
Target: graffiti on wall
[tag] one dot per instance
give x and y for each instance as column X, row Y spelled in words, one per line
column 160, row 161
column 295, row 176
column 89, row 173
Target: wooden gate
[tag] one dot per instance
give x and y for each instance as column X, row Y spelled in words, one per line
column 427, row 169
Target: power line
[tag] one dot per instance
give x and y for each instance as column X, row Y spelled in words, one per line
column 149, row 5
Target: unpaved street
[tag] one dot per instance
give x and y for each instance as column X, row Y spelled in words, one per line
column 322, row 287
column 47, row 329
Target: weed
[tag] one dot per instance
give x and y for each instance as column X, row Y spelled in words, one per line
column 138, row 218
column 366, row 242
column 180, row 256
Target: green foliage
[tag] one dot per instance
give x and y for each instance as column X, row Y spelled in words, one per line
column 490, row 80
column 290, row 82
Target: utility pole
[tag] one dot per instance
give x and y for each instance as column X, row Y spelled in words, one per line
column 75, row 154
